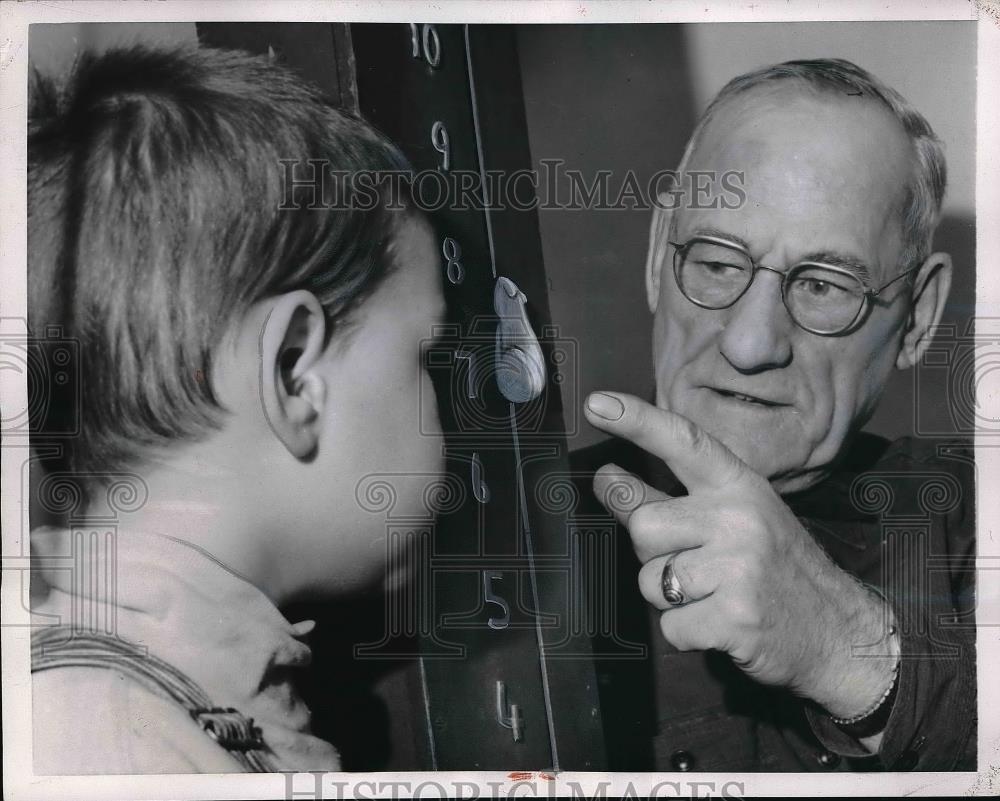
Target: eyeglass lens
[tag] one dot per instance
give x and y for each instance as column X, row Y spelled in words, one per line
column 819, row 298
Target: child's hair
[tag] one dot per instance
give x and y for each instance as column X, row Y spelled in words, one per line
column 158, row 212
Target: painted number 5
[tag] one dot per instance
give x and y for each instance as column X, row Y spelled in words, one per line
column 491, row 598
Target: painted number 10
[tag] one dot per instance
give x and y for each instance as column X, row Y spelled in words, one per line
column 424, row 42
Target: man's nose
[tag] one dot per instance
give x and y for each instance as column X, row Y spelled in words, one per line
column 757, row 333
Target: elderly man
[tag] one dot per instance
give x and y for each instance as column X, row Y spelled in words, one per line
column 793, row 629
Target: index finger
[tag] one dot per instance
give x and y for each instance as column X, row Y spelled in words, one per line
column 697, row 458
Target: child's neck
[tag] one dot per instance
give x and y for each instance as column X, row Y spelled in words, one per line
column 204, row 502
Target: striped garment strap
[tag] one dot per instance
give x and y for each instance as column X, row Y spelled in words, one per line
column 59, row 646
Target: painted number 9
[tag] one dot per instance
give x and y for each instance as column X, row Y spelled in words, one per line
column 442, row 144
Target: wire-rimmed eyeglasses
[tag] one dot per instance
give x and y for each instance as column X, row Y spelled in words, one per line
column 821, row 298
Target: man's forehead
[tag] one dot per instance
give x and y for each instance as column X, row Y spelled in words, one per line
column 811, row 162
column 805, row 129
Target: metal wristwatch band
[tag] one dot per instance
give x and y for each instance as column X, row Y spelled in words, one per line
column 873, row 720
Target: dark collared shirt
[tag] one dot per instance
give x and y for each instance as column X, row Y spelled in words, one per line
column 900, row 518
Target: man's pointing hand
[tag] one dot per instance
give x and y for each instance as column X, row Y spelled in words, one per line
column 757, row 584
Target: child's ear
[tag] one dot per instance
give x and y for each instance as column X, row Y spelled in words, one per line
column 931, row 287
column 292, row 387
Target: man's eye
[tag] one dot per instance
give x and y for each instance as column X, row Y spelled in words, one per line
column 819, row 288
column 720, row 267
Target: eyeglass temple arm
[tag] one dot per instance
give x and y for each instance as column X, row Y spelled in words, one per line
column 876, row 292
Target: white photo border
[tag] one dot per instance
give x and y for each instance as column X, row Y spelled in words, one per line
column 19, row 781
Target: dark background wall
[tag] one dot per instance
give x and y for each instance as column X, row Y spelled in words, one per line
column 612, row 98
column 626, row 97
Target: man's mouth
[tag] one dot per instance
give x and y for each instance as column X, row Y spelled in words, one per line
column 746, row 398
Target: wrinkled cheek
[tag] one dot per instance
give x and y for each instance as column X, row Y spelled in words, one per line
column 681, row 340
column 875, row 380
column 827, row 415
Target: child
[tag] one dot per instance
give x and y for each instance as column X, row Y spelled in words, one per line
column 247, row 352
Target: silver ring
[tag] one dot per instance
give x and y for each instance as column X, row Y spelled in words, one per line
column 671, row 587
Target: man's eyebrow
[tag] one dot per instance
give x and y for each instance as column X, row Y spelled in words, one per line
column 728, row 237
column 856, row 266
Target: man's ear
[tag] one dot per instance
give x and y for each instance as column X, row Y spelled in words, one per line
column 658, row 230
column 931, row 287
column 292, row 388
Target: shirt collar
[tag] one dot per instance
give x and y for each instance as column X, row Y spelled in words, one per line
column 189, row 609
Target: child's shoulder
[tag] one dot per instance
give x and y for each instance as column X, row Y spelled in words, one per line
column 90, row 720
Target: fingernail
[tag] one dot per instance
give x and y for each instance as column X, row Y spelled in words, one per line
column 606, row 406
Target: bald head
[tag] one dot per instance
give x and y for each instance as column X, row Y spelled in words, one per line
column 842, row 84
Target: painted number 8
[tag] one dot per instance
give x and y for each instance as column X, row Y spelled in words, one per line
column 452, row 253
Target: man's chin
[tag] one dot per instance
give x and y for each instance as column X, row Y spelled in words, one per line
column 756, row 447
column 772, row 461
column 757, row 457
